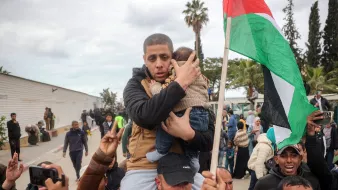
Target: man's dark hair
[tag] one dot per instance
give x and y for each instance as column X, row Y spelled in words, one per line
column 182, row 54
column 240, row 125
column 45, row 162
column 158, row 39
column 231, row 112
column 13, row 114
column 293, row 181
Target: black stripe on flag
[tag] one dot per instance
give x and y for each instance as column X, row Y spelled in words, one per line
column 273, row 109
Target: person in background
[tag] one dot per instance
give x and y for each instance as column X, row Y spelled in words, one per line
column 253, row 132
column 258, row 109
column 331, row 141
column 76, row 139
column 294, row 183
column 118, row 122
column 45, row 117
column 49, row 118
column 9, row 174
column 263, row 152
column 84, row 116
column 232, row 126
column 225, row 119
column 250, row 119
column 242, row 142
column 91, row 114
column 114, row 175
column 230, row 157
column 125, row 138
column 52, row 119
column 222, row 147
column 14, row 134
column 320, row 102
column 108, row 124
column 86, row 129
column 242, row 119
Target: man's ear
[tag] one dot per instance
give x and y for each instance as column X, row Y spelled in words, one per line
column 158, row 182
column 145, row 59
column 276, row 159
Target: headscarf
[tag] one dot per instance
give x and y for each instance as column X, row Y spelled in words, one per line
column 255, row 127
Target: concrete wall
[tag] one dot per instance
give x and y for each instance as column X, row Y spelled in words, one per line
column 28, row 100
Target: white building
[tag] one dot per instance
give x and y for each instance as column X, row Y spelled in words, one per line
column 28, row 99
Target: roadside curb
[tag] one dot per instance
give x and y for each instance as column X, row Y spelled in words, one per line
column 55, row 150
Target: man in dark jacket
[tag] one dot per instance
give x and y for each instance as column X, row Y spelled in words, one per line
column 76, row 139
column 148, row 113
column 288, row 161
column 14, row 134
column 320, row 102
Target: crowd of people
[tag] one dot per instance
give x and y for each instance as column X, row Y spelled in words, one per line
column 170, row 126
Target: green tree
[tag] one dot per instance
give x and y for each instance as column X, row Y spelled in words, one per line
column 244, row 72
column 212, row 70
column 291, row 33
column 330, row 53
column 4, row 71
column 109, row 99
column 3, row 136
column 196, row 15
column 313, row 45
column 317, row 79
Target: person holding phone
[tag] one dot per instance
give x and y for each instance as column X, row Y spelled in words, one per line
column 76, row 139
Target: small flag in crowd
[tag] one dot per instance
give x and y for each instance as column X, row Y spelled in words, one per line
column 255, row 34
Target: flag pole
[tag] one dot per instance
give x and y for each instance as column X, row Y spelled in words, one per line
column 221, row 97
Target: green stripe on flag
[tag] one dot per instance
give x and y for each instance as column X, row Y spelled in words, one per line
column 256, row 37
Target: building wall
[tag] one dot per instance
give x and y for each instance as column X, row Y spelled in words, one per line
column 28, row 100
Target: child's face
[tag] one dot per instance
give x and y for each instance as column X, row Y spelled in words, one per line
column 229, row 146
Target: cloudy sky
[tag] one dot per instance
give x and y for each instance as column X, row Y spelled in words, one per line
column 89, row 45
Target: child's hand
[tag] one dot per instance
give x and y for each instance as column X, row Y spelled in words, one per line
column 152, row 82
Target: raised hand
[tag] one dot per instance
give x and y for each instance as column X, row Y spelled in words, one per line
column 12, row 172
column 110, row 141
column 50, row 185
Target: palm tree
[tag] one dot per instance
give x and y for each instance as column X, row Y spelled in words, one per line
column 243, row 73
column 4, row 71
column 317, row 80
column 196, row 15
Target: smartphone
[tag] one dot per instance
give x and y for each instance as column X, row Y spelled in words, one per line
column 39, row 175
column 327, row 118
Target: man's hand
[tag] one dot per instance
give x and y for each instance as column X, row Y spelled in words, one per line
column 313, row 117
column 311, row 125
column 86, row 154
column 187, row 73
column 110, row 141
column 64, row 154
column 179, row 126
column 12, row 172
column 210, row 183
column 50, row 185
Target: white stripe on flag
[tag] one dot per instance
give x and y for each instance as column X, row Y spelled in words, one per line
column 281, row 133
column 285, row 91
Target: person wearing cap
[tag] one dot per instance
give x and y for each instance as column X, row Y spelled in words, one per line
column 288, row 162
column 320, row 102
column 174, row 172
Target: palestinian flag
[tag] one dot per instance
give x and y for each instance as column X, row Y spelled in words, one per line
column 254, row 33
